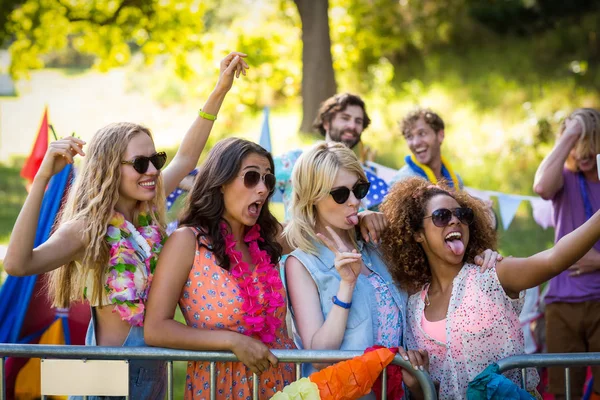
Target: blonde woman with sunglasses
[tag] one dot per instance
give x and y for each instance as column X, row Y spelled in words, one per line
column 112, row 227
column 342, row 296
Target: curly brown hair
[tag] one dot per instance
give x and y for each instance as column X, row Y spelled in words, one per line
column 405, row 207
column 432, row 119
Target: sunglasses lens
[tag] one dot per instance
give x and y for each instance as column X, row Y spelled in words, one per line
column 465, row 215
column 159, row 160
column 361, row 190
column 140, row 164
column 441, row 217
column 340, row 195
column 251, row 179
column 270, row 182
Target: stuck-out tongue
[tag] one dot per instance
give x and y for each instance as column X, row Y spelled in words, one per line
column 253, row 208
column 456, row 246
column 352, row 219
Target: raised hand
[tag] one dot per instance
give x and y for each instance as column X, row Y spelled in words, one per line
column 347, row 263
column 231, row 66
column 254, row 354
column 372, row 225
column 59, row 154
column 575, row 126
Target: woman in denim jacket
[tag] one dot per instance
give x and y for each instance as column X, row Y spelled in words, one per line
column 341, row 293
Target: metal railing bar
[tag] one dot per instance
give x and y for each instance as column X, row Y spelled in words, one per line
column 156, row 353
column 548, row 360
column 567, row 383
column 213, row 380
column 170, row 380
column 384, row 384
column 255, row 384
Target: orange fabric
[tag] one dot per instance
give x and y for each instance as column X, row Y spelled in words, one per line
column 210, row 300
column 351, row 379
column 28, row 385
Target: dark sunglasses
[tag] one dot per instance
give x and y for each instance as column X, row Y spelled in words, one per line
column 251, row 179
column 442, row 216
column 141, row 163
column 360, row 190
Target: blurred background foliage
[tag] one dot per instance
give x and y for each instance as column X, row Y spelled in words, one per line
column 502, row 73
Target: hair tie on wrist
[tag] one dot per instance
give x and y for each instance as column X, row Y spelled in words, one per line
column 210, row 117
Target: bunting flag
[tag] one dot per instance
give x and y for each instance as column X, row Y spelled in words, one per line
column 265, row 142
column 39, row 150
column 508, row 208
column 507, row 203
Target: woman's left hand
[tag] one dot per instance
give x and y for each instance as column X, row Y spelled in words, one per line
column 488, row 259
column 372, row 225
column 231, row 66
column 419, row 359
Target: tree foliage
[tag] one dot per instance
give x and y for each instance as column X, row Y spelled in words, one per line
column 110, row 30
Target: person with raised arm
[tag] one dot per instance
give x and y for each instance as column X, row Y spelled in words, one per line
column 112, row 228
column 465, row 319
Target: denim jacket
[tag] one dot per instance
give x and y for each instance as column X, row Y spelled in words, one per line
column 361, row 326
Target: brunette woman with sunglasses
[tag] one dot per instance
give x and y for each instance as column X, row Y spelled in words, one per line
column 221, row 266
column 465, row 319
column 112, row 228
column 341, row 293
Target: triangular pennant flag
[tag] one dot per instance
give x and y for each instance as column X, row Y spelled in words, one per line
column 265, row 142
column 508, row 208
column 265, row 133
column 39, row 150
column 542, row 212
column 479, row 194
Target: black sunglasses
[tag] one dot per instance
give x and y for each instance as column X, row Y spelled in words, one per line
column 251, row 179
column 360, row 190
column 141, row 163
column 442, row 216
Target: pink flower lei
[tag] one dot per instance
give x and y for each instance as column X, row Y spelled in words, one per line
column 258, row 316
column 128, row 277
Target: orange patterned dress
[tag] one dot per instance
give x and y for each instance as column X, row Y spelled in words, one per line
column 210, row 300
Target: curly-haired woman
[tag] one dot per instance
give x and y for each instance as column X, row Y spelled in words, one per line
column 464, row 319
column 221, row 266
column 112, row 228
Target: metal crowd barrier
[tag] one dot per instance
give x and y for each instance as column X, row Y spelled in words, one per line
column 154, row 353
column 566, row 360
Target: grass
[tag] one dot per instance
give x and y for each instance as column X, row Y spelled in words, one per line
column 12, row 196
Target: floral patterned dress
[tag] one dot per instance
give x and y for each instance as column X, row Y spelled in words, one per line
column 211, row 300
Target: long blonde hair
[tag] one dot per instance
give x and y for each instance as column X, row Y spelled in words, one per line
column 312, row 179
column 92, row 199
column 589, row 141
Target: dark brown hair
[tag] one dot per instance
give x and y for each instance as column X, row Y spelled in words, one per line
column 432, row 119
column 405, row 207
column 205, row 205
column 334, row 105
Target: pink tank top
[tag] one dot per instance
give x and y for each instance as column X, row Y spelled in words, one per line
column 437, row 329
